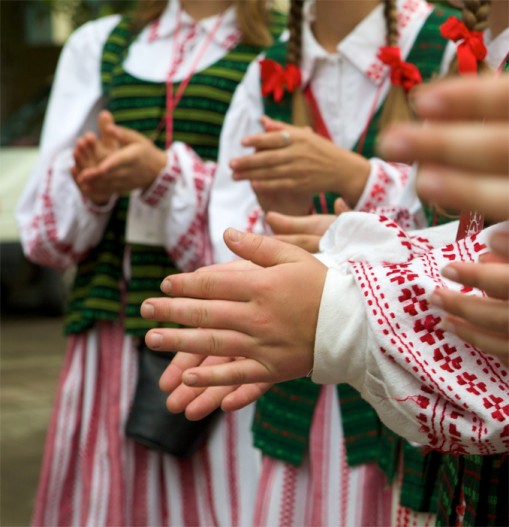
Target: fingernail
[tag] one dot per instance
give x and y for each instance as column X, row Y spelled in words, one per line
column 428, row 183
column 426, row 104
column 190, row 379
column 436, row 300
column 234, row 164
column 147, row 310
column 450, row 273
column 166, row 286
column 499, row 242
column 154, row 340
column 392, row 145
column 234, row 235
column 446, row 325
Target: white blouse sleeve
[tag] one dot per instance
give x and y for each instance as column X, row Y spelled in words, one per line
column 232, row 203
column 57, row 226
column 377, row 332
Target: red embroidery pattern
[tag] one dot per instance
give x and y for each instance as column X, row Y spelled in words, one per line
column 171, row 174
column 44, row 245
column 461, row 397
column 193, row 248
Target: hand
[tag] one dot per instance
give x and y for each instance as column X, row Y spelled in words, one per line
column 200, row 402
column 483, row 322
column 304, row 231
column 90, row 151
column 267, row 316
column 136, row 164
column 464, row 164
column 297, row 160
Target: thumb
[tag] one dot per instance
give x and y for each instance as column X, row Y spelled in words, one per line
column 340, row 206
column 262, row 250
column 127, row 136
column 105, row 123
column 272, row 126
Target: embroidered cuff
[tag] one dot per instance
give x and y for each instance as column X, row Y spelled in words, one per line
column 166, row 178
column 341, row 332
column 99, row 209
column 374, row 191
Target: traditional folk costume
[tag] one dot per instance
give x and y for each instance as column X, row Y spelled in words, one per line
column 92, row 474
column 312, row 474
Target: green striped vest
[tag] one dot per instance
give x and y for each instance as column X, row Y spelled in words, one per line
column 100, row 290
column 284, row 415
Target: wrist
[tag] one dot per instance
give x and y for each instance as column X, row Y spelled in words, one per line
column 158, row 163
column 356, row 174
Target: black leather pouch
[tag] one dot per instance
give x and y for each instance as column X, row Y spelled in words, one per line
column 151, row 423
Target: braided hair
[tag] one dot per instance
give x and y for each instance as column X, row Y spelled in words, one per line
column 300, row 112
column 475, row 15
column 396, row 107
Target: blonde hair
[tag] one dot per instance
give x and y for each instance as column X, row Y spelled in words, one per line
column 252, row 17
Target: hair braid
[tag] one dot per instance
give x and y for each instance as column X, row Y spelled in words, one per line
column 391, row 21
column 475, row 15
column 300, row 112
column 295, row 28
column 396, row 106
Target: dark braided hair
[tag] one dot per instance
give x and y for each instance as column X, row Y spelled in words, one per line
column 391, row 21
column 295, row 28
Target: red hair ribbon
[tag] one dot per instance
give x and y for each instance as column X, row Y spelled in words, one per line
column 278, row 80
column 471, row 51
column 402, row 73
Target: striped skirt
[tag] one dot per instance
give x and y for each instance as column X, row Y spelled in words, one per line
column 92, row 475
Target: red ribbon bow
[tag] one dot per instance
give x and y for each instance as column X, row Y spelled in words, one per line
column 402, row 73
column 471, row 51
column 277, row 80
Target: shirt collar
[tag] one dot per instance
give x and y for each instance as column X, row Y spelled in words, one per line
column 497, row 48
column 170, row 16
column 361, row 46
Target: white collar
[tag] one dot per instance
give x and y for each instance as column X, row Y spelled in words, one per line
column 497, row 48
column 361, row 46
column 169, row 19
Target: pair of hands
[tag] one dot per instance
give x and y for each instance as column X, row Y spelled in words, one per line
column 115, row 161
column 291, row 164
column 266, row 311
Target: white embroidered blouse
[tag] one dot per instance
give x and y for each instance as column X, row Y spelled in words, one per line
column 57, row 225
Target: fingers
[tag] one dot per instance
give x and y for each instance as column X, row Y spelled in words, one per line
column 268, row 140
column 271, row 125
column 195, row 313
column 262, row 250
column 172, row 375
column 105, row 122
column 208, row 401
column 309, row 242
column 340, row 206
column 244, row 395
column 217, row 342
column 472, row 98
column 206, row 284
column 257, row 162
column 499, row 243
column 487, row 314
column 489, row 343
column 493, row 279
column 472, row 147
column 312, row 224
column 452, row 191
column 127, row 136
column 242, row 371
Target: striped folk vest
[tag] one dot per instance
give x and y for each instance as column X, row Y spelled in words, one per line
column 100, row 291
